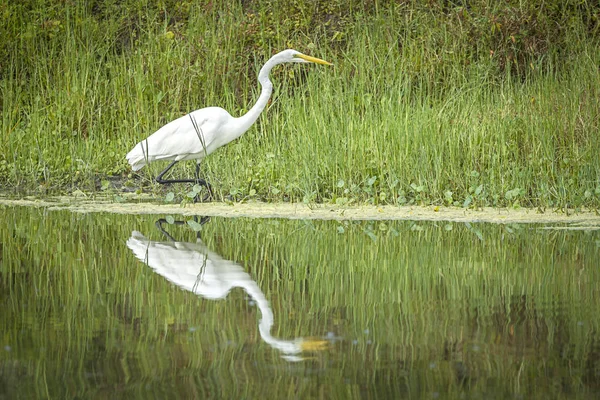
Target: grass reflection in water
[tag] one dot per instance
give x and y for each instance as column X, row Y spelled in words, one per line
column 414, row 309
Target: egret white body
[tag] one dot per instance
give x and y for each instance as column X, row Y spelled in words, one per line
column 199, row 133
column 178, row 140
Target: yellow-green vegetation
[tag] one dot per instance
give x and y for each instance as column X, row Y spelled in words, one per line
column 411, row 309
column 467, row 103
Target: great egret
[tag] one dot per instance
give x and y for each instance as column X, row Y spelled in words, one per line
column 199, row 133
column 195, row 268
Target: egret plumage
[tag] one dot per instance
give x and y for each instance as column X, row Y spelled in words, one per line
column 199, row 133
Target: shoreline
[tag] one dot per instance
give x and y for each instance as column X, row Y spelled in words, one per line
column 576, row 219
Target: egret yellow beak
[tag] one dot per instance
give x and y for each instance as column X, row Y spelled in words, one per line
column 313, row 345
column 313, row 59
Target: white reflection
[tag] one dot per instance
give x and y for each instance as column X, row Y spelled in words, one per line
column 193, row 267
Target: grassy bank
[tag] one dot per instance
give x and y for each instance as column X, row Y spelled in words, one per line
column 476, row 104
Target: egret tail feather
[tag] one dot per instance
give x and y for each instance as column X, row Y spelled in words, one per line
column 137, row 158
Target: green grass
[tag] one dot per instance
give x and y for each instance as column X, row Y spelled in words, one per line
column 425, row 104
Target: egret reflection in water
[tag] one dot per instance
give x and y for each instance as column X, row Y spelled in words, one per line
column 195, row 268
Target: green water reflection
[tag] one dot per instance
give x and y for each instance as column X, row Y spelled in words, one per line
column 97, row 305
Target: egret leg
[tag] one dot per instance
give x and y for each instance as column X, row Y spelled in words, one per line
column 197, row 180
column 160, row 179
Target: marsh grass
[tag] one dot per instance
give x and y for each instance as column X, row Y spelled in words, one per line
column 413, row 112
column 512, row 307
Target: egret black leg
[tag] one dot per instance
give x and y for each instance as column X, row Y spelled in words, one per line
column 197, row 180
column 162, row 181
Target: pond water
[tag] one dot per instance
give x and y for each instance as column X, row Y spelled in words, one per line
column 102, row 306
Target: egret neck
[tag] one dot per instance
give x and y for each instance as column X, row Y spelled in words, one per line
column 245, row 121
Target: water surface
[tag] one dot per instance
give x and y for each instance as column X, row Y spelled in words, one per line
column 101, row 305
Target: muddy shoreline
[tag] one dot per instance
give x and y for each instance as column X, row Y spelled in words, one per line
column 580, row 219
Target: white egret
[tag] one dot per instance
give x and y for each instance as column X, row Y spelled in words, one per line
column 199, row 133
column 195, row 268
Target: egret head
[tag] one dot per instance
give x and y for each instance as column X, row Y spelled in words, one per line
column 291, row 55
